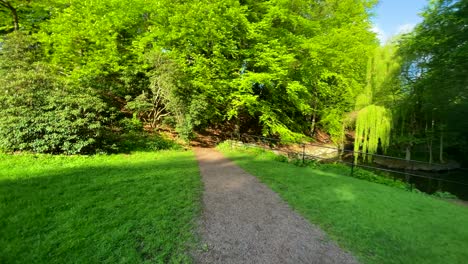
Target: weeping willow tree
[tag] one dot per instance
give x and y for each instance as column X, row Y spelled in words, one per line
column 373, row 127
column 374, row 120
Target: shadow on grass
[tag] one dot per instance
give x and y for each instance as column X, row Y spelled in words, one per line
column 128, row 213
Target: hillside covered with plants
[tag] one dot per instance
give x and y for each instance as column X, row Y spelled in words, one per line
column 76, row 76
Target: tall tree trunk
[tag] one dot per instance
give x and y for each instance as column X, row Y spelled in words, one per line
column 343, row 138
column 429, row 146
column 314, row 115
column 408, row 152
column 312, row 125
column 412, row 128
column 441, row 149
column 430, row 142
column 14, row 14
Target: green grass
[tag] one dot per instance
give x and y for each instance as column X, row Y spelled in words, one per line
column 137, row 208
column 377, row 223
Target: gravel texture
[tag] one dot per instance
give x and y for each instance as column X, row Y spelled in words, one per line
column 244, row 221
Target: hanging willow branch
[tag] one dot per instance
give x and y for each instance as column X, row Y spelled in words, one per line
column 373, row 124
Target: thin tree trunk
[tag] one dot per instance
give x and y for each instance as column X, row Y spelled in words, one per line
column 431, row 141
column 441, row 150
column 314, row 115
column 429, row 145
column 412, row 125
column 408, row 152
column 312, row 125
column 343, row 139
column 15, row 19
column 14, row 14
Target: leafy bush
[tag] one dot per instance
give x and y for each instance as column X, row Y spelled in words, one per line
column 169, row 121
column 185, row 129
column 41, row 112
column 372, row 177
column 131, row 124
column 444, row 195
column 281, row 158
column 57, row 123
column 142, row 141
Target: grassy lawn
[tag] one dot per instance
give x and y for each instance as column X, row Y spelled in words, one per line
column 377, row 223
column 137, row 208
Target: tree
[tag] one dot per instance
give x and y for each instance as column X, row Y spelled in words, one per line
column 305, row 65
column 278, row 67
column 373, row 128
column 435, row 68
column 374, row 119
column 25, row 15
column 14, row 14
column 160, row 99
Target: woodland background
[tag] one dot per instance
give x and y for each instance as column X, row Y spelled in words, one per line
column 81, row 76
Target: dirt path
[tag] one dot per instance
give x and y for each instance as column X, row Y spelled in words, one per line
column 244, row 221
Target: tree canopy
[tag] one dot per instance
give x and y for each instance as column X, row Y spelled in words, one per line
column 435, row 86
column 75, row 72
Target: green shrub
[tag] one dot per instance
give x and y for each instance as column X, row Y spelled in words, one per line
column 298, row 162
column 444, row 195
column 312, row 163
column 40, row 111
column 372, row 177
column 281, row 158
column 169, row 121
column 185, row 129
column 60, row 123
column 131, row 124
column 142, row 141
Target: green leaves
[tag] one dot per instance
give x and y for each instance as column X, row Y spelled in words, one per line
column 435, row 63
column 268, row 66
column 373, row 129
column 40, row 111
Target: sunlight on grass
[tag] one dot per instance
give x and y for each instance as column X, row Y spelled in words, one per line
column 377, row 223
column 344, row 193
column 114, row 209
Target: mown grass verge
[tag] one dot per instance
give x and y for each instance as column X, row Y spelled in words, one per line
column 128, row 208
column 377, row 223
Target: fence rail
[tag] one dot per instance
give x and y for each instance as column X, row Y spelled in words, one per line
column 273, row 144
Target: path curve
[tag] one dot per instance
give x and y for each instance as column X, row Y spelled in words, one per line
column 244, row 221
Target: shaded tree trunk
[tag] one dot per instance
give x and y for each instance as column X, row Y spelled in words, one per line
column 314, row 115
column 312, row 125
column 441, row 150
column 408, row 152
column 430, row 141
column 13, row 12
column 429, row 146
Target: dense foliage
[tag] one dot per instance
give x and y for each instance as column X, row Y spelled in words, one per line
column 73, row 71
column 41, row 111
column 276, row 67
column 434, row 76
column 374, row 117
column 420, row 80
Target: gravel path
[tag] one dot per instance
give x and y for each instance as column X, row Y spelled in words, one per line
column 244, row 221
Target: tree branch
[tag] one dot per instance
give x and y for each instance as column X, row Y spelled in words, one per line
column 13, row 12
